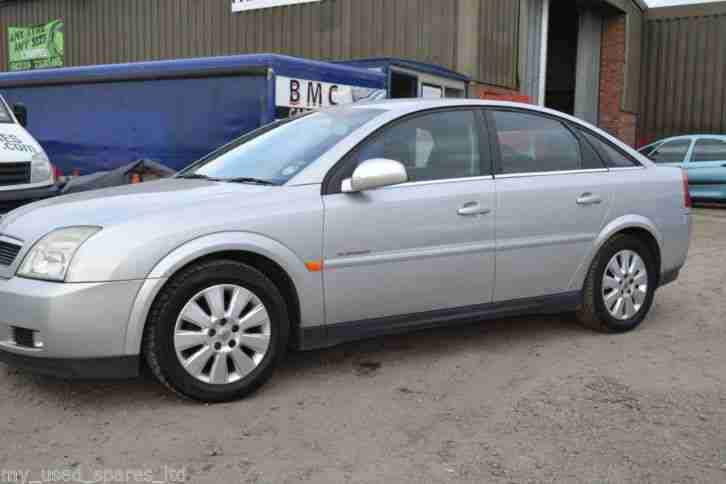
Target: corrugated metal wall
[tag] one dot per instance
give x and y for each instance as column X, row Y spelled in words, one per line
column 112, row 31
column 498, row 42
column 683, row 76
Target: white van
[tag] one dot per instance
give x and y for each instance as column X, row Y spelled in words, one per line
column 26, row 174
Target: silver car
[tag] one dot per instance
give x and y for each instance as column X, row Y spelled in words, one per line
column 335, row 226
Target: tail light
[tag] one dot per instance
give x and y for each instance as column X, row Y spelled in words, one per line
column 687, row 202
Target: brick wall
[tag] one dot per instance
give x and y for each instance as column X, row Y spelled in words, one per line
column 613, row 119
column 486, row 91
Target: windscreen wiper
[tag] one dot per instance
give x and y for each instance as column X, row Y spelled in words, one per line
column 197, row 176
column 257, row 181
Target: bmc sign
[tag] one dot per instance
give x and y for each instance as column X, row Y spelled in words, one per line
column 306, row 94
column 294, row 95
column 243, row 5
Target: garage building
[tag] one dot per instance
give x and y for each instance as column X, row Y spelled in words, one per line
column 585, row 57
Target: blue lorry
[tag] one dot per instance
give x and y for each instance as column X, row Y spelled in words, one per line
column 97, row 118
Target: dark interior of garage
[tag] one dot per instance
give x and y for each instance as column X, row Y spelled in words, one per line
column 562, row 57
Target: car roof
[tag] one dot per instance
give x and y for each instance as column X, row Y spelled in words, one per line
column 407, row 106
column 688, row 137
column 404, row 106
column 415, row 104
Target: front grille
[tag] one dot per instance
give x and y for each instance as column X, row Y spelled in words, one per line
column 14, row 174
column 8, row 253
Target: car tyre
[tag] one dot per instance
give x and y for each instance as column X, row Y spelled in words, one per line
column 599, row 310
column 160, row 344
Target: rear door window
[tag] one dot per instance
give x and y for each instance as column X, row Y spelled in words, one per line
column 671, row 152
column 530, row 143
column 709, row 150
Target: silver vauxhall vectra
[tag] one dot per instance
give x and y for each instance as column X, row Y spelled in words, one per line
column 335, row 226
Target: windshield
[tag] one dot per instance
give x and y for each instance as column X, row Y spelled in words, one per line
column 4, row 114
column 277, row 152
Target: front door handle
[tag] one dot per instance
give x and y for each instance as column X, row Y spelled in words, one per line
column 589, row 199
column 471, row 209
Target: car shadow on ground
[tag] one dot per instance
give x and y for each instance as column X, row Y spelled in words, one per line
column 364, row 358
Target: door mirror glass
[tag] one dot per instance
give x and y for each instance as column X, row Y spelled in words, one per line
column 21, row 113
column 375, row 173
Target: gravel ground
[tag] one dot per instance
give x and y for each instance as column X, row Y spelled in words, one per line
column 519, row 400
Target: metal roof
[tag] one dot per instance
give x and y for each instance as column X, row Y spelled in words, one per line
column 198, row 67
column 384, row 62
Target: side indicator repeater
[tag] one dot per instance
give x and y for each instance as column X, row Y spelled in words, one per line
column 314, row 266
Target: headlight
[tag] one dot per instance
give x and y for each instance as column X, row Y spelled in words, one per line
column 51, row 256
column 40, row 169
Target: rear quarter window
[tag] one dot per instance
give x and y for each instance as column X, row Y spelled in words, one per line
column 612, row 156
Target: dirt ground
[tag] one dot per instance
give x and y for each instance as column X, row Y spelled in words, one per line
column 512, row 401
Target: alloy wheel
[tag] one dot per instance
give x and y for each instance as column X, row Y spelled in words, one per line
column 222, row 334
column 625, row 285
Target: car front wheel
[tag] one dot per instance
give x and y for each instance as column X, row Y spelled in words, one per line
column 620, row 286
column 216, row 331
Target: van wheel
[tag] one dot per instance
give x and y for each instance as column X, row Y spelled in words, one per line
column 216, row 331
column 620, row 286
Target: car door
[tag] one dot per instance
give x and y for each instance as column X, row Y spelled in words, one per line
column 552, row 198
column 420, row 246
column 707, row 169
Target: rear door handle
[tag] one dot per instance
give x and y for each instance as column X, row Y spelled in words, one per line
column 471, row 209
column 589, row 199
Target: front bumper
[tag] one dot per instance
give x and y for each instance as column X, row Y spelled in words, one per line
column 119, row 367
column 68, row 330
column 12, row 199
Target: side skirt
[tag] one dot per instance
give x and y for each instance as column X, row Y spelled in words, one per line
column 334, row 334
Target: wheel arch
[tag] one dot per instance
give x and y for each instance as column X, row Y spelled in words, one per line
column 301, row 289
column 634, row 225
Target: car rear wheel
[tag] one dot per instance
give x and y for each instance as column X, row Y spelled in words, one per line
column 620, row 286
column 216, row 331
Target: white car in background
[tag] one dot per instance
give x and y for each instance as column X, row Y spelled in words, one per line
column 26, row 174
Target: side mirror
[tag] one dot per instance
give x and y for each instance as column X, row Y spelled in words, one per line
column 21, row 113
column 375, row 173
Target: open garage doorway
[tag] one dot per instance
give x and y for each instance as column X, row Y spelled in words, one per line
column 561, row 62
column 562, row 57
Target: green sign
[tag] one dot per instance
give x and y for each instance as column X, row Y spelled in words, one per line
column 37, row 47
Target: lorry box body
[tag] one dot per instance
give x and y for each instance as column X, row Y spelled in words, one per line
column 98, row 118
